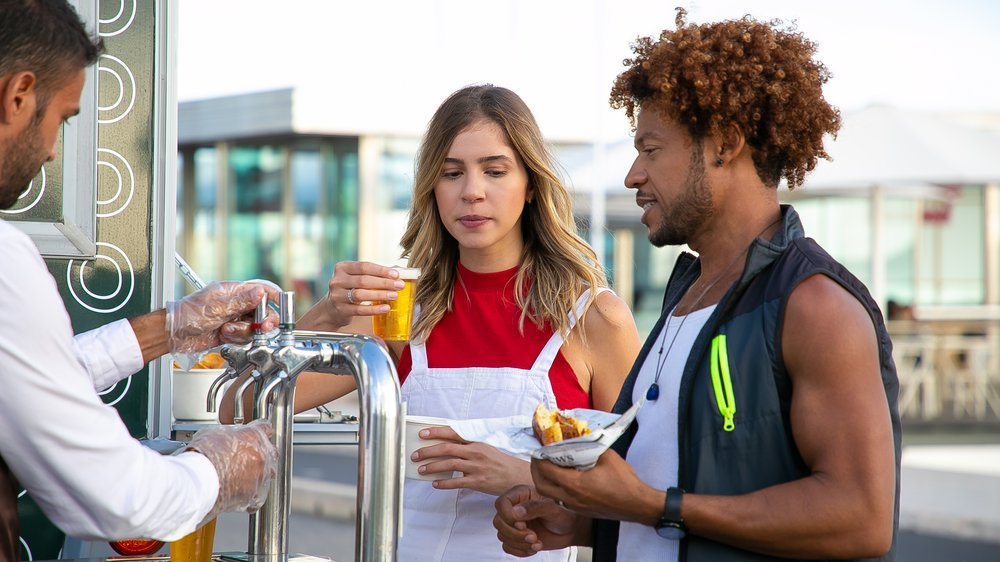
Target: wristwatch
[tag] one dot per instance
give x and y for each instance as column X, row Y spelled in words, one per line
column 671, row 525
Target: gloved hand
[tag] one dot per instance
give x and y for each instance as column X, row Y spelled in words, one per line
column 245, row 460
column 220, row 313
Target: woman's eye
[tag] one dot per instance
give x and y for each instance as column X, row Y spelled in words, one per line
column 451, row 174
column 496, row 173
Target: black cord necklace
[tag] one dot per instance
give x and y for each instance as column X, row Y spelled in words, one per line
column 661, row 360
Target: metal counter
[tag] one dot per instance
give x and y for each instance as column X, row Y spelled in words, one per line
column 304, row 433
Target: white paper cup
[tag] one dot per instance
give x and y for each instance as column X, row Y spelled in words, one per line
column 413, row 442
column 190, row 394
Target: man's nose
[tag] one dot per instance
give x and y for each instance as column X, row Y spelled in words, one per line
column 636, row 175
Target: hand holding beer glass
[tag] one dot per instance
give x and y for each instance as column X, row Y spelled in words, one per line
column 365, row 298
column 395, row 324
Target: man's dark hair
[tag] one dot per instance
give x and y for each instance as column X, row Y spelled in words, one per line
column 45, row 37
column 760, row 77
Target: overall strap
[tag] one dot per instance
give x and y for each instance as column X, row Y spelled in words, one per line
column 552, row 347
column 418, row 351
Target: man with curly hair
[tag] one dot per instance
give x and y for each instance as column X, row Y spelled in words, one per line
column 770, row 427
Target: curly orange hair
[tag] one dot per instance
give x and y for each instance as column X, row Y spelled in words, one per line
column 753, row 75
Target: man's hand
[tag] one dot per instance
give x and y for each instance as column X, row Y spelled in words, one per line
column 610, row 490
column 528, row 522
column 245, row 460
column 219, row 313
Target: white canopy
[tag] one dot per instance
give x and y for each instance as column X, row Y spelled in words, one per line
column 903, row 152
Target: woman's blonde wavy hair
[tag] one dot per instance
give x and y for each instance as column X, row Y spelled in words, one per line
column 556, row 264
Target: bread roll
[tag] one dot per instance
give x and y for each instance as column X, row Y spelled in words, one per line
column 552, row 426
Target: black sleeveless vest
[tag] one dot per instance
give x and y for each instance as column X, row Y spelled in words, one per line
column 760, row 452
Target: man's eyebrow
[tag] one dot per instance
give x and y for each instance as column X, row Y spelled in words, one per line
column 644, row 137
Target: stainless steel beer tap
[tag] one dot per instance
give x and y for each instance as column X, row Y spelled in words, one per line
column 258, row 357
column 237, row 365
column 274, row 364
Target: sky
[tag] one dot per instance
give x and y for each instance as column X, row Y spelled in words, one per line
column 402, row 57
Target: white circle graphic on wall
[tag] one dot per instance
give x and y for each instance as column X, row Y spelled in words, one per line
column 107, row 301
column 113, row 68
column 27, row 195
column 123, row 182
column 118, row 22
column 113, row 391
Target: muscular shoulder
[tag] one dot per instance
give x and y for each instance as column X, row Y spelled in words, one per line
column 820, row 299
column 824, row 319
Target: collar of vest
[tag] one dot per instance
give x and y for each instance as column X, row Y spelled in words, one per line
column 761, row 254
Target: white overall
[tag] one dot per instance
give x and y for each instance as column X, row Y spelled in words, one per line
column 457, row 525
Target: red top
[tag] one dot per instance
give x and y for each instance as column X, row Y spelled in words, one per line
column 482, row 331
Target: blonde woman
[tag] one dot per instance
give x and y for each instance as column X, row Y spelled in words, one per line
column 504, row 275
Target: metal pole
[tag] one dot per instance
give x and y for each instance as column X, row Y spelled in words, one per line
column 380, row 475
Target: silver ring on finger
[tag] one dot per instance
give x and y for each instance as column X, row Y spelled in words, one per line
column 350, row 296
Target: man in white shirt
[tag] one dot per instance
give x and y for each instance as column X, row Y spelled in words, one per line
column 58, row 440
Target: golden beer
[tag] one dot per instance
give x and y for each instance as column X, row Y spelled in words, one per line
column 195, row 547
column 395, row 324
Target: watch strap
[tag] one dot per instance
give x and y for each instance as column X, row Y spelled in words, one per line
column 672, row 505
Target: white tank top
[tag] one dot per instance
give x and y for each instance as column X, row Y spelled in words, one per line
column 653, row 453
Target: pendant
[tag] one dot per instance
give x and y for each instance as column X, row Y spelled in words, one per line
column 654, row 392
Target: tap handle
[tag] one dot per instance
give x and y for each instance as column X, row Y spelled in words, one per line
column 286, row 310
column 261, row 312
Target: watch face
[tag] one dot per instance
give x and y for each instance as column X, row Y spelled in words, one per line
column 671, row 531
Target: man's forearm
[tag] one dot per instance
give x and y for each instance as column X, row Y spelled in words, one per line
column 151, row 333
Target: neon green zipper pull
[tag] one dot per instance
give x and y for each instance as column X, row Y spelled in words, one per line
column 723, row 388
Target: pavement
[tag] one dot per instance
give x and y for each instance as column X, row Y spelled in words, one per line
column 951, row 490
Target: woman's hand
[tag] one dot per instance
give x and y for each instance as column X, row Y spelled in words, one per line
column 484, row 468
column 355, row 285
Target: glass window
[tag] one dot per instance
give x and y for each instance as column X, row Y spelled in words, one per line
column 952, row 250
column 256, row 224
column 204, row 248
column 842, row 226
column 340, row 183
column 900, row 249
column 396, row 174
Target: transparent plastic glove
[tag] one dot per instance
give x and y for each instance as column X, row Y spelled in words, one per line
column 220, row 313
column 245, row 460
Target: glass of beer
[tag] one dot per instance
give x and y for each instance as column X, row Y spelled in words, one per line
column 196, row 546
column 395, row 324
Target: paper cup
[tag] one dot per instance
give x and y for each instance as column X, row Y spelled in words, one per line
column 190, row 394
column 413, row 442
